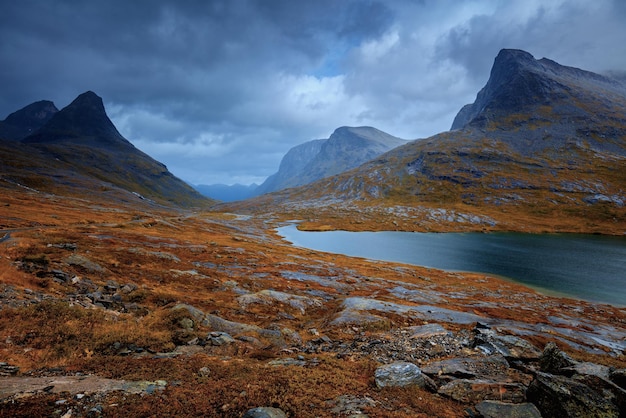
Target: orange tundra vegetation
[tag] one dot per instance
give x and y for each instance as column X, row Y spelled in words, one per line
column 214, row 315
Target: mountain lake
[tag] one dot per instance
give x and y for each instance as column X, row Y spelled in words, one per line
column 588, row 267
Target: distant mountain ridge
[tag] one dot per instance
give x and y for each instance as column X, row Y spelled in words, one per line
column 346, row 148
column 27, row 120
column 227, row 193
column 542, row 144
column 81, row 143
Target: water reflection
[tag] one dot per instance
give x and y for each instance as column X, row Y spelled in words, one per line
column 588, row 267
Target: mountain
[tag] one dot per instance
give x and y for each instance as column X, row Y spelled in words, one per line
column 543, row 147
column 80, row 147
column 27, row 120
column 346, row 148
column 227, row 193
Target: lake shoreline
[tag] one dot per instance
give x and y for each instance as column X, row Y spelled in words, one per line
column 543, row 274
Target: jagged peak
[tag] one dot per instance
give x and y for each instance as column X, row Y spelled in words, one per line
column 84, row 118
column 518, row 82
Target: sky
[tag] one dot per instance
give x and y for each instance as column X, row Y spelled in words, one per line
column 220, row 90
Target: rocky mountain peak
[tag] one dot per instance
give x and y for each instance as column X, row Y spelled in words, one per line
column 84, row 119
column 27, row 120
column 518, row 83
column 346, row 148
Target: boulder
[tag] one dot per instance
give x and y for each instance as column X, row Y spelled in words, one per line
column 399, row 374
column 264, row 412
column 552, row 359
column 560, row 396
column 468, row 391
column 498, row 409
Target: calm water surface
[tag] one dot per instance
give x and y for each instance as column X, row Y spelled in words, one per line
column 589, row 267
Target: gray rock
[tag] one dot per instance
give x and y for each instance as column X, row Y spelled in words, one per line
column 468, row 391
column 84, row 262
column 217, row 338
column 559, row 396
column 264, row 412
column 428, row 331
column 399, row 374
column 352, row 405
column 552, row 359
column 513, row 347
column 498, row 409
column 468, row 367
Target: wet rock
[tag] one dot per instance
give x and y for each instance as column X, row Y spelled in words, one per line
column 559, row 396
column 552, row 359
column 498, row 409
column 265, row 412
column 470, row 391
column 399, row 374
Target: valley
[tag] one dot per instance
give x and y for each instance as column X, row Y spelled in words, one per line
column 124, row 292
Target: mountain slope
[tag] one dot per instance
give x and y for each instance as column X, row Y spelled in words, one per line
column 542, row 148
column 346, row 148
column 80, row 142
column 27, row 120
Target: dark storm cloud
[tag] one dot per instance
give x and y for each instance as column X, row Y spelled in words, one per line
column 220, row 90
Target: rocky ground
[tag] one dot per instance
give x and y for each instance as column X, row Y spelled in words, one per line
column 142, row 311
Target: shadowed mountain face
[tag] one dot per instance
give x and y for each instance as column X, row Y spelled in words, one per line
column 80, row 148
column 346, row 148
column 540, row 140
column 27, row 120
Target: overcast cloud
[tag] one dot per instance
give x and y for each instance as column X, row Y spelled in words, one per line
column 220, row 90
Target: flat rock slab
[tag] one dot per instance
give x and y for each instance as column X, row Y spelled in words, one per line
column 468, row 391
column 497, row 409
column 14, row 385
column 399, row 374
column 424, row 312
column 468, row 367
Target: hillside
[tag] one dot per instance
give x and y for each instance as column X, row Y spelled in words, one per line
column 346, row 148
column 543, row 148
column 112, row 304
column 79, row 148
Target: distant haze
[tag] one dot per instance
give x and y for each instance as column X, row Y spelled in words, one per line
column 219, row 91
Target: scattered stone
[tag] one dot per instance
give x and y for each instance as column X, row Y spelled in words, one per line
column 427, row 331
column 351, row 405
column 7, row 370
column 552, row 359
column 559, row 396
column 399, row 374
column 470, row 391
column 204, row 372
column 84, row 262
column 467, row 367
column 265, row 412
column 498, row 409
column 217, row 338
